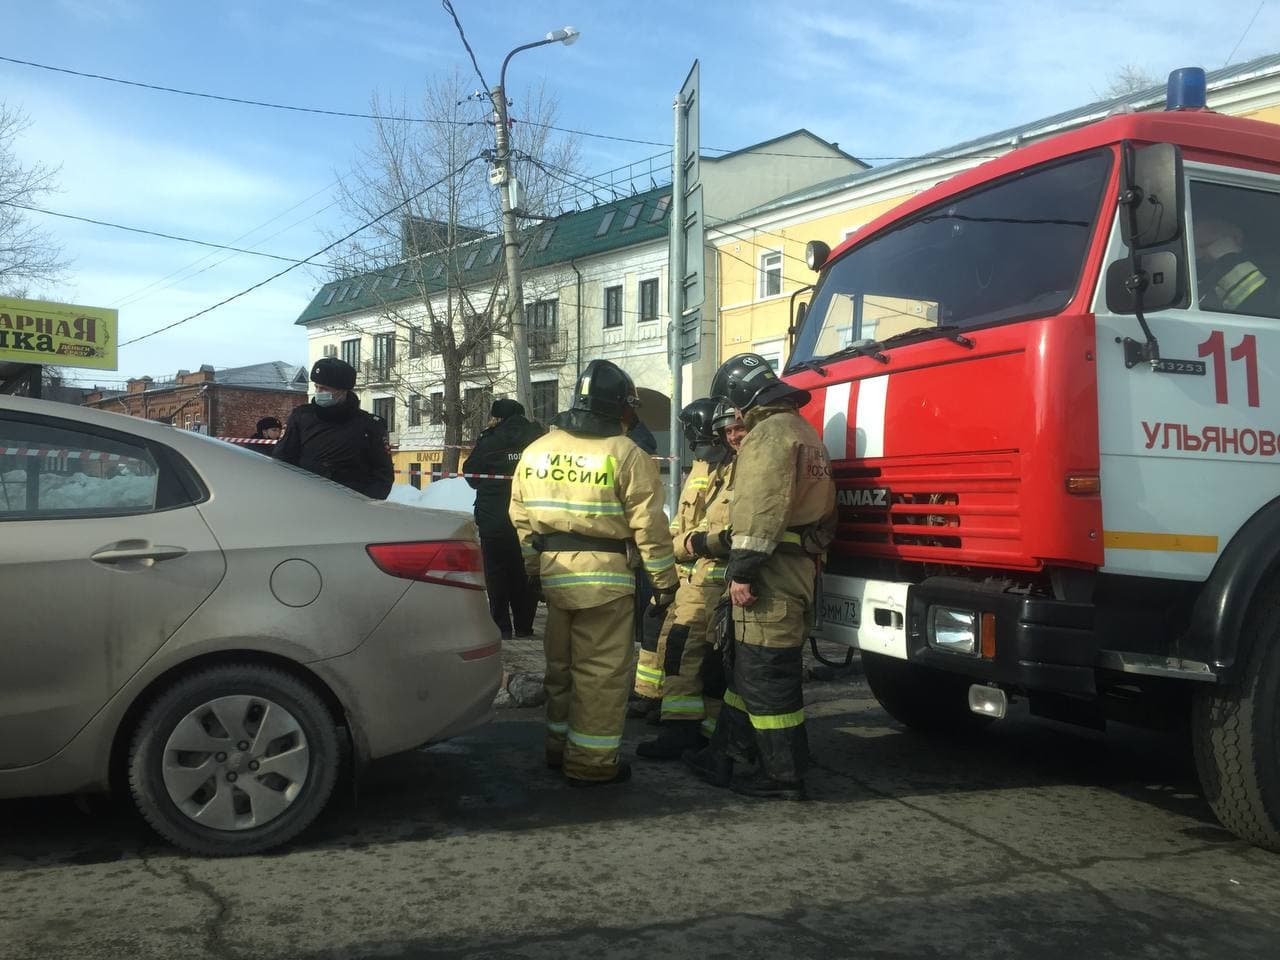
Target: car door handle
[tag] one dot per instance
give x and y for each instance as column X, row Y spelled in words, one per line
column 135, row 550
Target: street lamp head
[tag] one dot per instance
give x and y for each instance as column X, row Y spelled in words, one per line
column 567, row 35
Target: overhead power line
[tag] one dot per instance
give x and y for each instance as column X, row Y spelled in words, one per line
column 245, row 101
column 145, row 232
column 462, row 34
column 294, row 266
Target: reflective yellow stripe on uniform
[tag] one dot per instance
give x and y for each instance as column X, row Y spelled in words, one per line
column 716, row 573
column 699, row 483
column 649, row 674
column 686, row 569
column 708, row 726
column 590, row 508
column 589, row 742
column 768, row 721
column 589, row 577
column 560, row 728
column 681, row 704
column 659, row 564
column 1238, row 284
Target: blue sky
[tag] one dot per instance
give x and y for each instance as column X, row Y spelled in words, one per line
column 884, row 79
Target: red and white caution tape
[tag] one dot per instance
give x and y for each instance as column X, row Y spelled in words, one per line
column 64, row 454
column 244, row 440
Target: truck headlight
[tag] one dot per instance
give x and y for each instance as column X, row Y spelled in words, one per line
column 953, row 630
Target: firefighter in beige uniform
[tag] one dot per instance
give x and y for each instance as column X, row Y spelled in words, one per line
column 649, row 669
column 782, row 519
column 584, row 500
column 675, row 666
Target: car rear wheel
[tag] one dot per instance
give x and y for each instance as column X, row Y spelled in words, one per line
column 921, row 698
column 234, row 760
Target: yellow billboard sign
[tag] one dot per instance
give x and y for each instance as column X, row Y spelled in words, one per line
column 59, row 334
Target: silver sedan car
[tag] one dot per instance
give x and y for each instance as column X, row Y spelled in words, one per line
column 216, row 632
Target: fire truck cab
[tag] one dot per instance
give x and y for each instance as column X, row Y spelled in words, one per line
column 1043, row 385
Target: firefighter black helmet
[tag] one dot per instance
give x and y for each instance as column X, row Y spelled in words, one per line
column 746, row 380
column 725, row 415
column 334, row 373
column 697, row 418
column 605, row 389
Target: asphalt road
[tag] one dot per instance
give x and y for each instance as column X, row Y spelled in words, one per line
column 1035, row 840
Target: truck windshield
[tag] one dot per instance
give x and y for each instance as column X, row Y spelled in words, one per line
column 1005, row 252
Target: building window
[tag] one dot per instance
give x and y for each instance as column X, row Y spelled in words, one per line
column 329, row 298
column 437, row 408
column 544, row 333
column 546, row 237
column 330, row 349
column 771, row 273
column 415, row 409
column 417, row 342
column 384, row 356
column 493, row 253
column 476, row 402
column 471, row 259
column 351, row 352
column 613, row 306
column 385, row 407
column 632, row 216
column 545, row 397
column 648, row 300
column 660, row 209
column 476, row 330
column 606, row 223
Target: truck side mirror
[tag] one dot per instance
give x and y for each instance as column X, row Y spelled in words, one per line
column 798, row 312
column 1151, row 195
column 1158, row 279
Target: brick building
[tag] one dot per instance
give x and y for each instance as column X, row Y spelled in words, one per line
column 224, row 403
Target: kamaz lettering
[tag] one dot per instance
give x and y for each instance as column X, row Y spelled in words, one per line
column 864, row 497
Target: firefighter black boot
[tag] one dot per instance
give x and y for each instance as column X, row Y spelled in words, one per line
column 710, row 765
column 676, row 737
column 766, row 788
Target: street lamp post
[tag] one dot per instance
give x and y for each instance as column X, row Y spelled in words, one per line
column 510, row 239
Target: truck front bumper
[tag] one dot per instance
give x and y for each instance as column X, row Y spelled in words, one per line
column 1020, row 642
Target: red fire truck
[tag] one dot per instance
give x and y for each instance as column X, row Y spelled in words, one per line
column 1044, row 387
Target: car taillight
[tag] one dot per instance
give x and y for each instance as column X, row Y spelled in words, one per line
column 455, row 563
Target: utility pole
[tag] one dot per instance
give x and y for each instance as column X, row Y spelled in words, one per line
column 675, row 303
column 510, row 236
column 511, row 249
column 687, row 286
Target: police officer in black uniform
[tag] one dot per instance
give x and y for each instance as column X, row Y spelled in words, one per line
column 333, row 438
column 497, row 451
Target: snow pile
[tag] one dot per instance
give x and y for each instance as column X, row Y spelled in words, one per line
column 452, row 493
column 77, row 491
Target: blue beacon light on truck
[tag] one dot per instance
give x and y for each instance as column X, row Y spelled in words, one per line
column 1186, row 90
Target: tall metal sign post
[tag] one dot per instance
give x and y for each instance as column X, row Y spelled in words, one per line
column 684, row 265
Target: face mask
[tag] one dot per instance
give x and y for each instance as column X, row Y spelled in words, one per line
column 325, row 399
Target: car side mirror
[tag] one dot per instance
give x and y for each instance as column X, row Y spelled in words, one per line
column 1159, row 279
column 1151, row 197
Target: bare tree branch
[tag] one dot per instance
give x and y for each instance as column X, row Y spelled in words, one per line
column 452, row 321
column 28, row 255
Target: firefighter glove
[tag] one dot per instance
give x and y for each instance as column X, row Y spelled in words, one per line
column 661, row 600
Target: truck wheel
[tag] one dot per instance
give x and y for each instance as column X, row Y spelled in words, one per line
column 921, row 698
column 1236, row 733
column 234, row 760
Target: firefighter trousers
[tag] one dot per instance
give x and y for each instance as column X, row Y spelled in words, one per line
column 590, row 662
column 763, row 715
column 692, row 672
